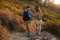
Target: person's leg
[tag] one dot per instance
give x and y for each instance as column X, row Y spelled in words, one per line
column 29, row 27
column 40, row 23
column 38, row 27
column 28, row 30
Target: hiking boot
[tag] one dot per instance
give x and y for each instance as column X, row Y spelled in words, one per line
column 28, row 35
column 37, row 34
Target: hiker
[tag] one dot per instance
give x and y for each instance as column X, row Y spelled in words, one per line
column 38, row 18
column 27, row 17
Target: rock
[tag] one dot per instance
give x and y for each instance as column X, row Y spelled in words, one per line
column 23, row 36
column 53, row 39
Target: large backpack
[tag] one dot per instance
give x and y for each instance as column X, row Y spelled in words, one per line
column 26, row 16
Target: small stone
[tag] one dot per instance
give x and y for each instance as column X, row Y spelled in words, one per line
column 53, row 39
column 37, row 39
column 45, row 37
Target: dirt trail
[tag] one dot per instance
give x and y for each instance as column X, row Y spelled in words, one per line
column 44, row 35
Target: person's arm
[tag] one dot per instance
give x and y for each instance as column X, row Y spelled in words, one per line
column 31, row 13
column 41, row 12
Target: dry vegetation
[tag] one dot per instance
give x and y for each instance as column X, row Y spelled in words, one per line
column 10, row 19
column 52, row 26
column 4, row 33
column 10, row 11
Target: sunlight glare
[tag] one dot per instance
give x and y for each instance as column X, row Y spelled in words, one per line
column 56, row 1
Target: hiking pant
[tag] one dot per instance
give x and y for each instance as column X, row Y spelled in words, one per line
column 28, row 26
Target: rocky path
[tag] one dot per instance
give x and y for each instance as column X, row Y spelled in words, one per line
column 44, row 36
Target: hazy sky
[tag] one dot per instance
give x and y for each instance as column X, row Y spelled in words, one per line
column 56, row 1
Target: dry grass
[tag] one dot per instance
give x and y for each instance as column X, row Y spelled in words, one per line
column 12, row 20
column 16, row 22
column 52, row 26
column 4, row 33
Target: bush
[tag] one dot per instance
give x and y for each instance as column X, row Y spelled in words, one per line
column 12, row 21
column 13, row 25
column 4, row 20
column 4, row 33
column 52, row 26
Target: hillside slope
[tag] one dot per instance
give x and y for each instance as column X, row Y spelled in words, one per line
column 18, row 6
column 11, row 9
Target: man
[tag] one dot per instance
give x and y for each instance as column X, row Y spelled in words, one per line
column 27, row 17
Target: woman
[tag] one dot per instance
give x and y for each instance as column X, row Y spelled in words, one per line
column 38, row 18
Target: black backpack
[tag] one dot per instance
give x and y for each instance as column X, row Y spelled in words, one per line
column 26, row 16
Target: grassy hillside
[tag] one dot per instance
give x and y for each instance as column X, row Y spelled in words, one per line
column 18, row 6
column 11, row 9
